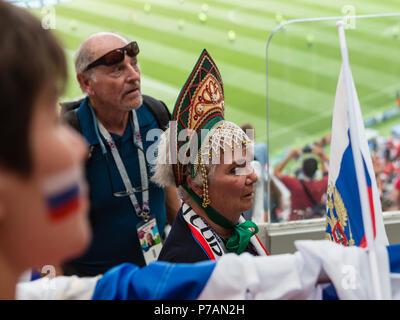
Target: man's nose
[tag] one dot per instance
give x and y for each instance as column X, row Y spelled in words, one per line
column 133, row 74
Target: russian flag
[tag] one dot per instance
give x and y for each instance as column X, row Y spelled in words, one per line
column 345, row 223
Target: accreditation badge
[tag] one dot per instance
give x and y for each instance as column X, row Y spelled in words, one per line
column 150, row 239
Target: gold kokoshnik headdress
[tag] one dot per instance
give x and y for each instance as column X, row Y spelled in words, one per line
column 199, row 132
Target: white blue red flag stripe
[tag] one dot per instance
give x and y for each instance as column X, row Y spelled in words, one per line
column 63, row 193
column 63, row 203
column 344, row 212
column 282, row 276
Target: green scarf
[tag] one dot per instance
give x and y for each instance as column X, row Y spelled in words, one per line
column 241, row 232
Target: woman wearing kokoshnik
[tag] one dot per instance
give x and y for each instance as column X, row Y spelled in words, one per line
column 208, row 158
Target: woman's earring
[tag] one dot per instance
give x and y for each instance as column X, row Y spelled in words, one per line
column 206, row 199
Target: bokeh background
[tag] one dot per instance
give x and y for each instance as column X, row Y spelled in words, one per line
column 304, row 58
column 279, row 75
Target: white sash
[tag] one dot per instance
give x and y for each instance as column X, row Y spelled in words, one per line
column 208, row 239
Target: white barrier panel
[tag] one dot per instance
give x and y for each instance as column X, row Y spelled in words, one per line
column 279, row 238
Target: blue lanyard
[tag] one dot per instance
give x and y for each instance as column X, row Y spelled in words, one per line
column 144, row 211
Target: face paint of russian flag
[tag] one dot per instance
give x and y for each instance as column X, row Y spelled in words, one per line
column 63, row 193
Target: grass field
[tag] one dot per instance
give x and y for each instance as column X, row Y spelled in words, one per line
column 304, row 58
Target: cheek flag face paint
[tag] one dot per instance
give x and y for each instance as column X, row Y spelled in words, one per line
column 64, row 193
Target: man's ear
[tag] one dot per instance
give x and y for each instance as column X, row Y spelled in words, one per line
column 191, row 185
column 85, row 83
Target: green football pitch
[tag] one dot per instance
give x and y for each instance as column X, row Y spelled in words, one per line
column 303, row 58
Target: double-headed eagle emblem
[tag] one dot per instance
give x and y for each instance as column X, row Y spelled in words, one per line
column 337, row 218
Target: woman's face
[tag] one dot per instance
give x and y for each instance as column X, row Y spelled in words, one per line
column 231, row 187
column 43, row 216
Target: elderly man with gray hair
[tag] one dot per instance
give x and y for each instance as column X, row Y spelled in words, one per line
column 115, row 119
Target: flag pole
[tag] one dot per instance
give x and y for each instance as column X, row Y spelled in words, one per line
column 359, row 165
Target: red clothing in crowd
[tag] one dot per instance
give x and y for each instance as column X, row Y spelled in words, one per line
column 397, row 187
column 299, row 198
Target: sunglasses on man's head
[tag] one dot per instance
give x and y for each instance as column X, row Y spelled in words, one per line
column 115, row 56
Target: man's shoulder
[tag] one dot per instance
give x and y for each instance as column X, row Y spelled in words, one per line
column 69, row 111
column 321, row 184
column 77, row 114
column 323, row 180
column 149, row 100
column 289, row 179
column 292, row 183
column 158, row 110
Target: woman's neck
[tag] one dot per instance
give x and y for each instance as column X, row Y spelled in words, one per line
column 222, row 232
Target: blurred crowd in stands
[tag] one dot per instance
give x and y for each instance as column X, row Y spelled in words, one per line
column 385, row 154
column 298, row 182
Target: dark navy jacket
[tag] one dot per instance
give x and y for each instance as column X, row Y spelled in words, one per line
column 113, row 220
